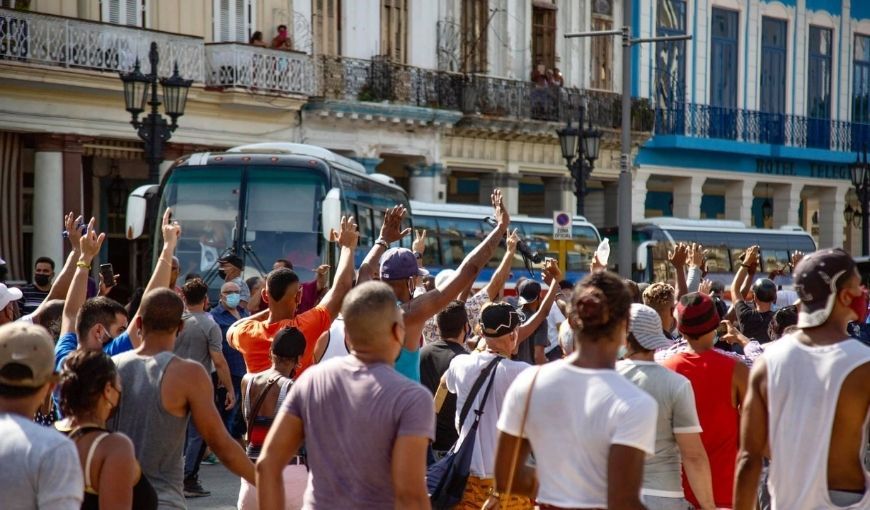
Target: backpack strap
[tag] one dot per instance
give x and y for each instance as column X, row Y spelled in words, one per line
column 259, row 402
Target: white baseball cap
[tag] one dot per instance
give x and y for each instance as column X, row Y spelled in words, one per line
column 646, row 326
column 8, row 295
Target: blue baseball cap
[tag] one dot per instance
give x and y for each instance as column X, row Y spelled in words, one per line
column 400, row 264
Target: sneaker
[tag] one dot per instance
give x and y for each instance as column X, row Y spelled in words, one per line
column 193, row 489
column 210, row 460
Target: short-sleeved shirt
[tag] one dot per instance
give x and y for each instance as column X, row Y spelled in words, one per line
column 677, row 415
column 69, row 342
column 39, row 467
column 32, row 298
column 351, row 466
column 473, row 306
column 253, row 338
column 753, row 324
column 224, row 320
column 435, row 359
column 572, row 442
column 526, row 350
column 199, row 337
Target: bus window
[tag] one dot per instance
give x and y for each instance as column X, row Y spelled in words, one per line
column 718, row 260
column 458, row 237
column 774, row 259
column 581, row 249
column 364, row 221
column 735, row 259
column 431, row 257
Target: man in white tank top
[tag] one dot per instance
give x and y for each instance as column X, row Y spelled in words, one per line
column 808, row 398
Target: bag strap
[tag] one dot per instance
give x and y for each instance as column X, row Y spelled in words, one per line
column 479, row 411
column 252, row 415
column 475, row 389
column 516, row 456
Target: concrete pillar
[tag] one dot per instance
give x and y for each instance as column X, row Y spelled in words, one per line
column 638, row 195
column 425, row 182
column 596, row 203
column 738, row 201
column 786, row 204
column 559, row 195
column 48, row 204
column 611, row 210
column 371, row 164
column 832, row 201
column 687, row 197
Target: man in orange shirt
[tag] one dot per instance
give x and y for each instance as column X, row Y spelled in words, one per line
column 283, row 293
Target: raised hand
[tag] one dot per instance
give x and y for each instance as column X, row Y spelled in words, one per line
column 90, row 243
column 106, row 287
column 705, row 287
column 71, row 223
column 419, row 244
column 696, row 255
column 500, row 211
column 391, row 230
column 796, row 258
column 596, row 266
column 552, row 274
column 679, row 256
column 347, row 235
column 751, row 258
column 171, row 229
column 512, row 240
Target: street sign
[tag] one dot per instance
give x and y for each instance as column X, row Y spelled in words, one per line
column 561, row 225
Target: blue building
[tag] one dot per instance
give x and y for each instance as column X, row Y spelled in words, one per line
column 758, row 116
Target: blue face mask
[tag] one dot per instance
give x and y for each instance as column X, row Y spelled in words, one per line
column 234, row 299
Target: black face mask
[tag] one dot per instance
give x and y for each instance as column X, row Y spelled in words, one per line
column 222, row 274
column 41, row 279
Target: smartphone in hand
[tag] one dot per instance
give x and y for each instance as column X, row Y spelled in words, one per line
column 107, row 273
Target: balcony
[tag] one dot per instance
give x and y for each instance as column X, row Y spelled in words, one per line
column 749, row 126
column 74, row 43
column 235, row 65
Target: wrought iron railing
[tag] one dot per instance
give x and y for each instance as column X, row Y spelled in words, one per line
column 750, row 126
column 229, row 65
column 68, row 42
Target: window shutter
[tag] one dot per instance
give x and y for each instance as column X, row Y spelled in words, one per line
column 123, row 12
column 240, row 15
column 232, row 20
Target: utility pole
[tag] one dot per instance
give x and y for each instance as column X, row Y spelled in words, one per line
column 624, row 189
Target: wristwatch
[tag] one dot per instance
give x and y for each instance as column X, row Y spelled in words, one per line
column 418, row 255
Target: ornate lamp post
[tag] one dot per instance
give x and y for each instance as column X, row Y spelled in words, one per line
column 154, row 130
column 861, row 180
column 580, row 149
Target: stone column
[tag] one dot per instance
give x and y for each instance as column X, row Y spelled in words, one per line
column 425, row 182
column 638, row 195
column 832, row 201
column 687, row 197
column 559, row 195
column 48, row 200
column 786, row 204
column 738, row 201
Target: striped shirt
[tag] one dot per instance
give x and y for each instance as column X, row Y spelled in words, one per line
column 33, row 297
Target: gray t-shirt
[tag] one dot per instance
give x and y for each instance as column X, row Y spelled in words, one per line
column 39, row 467
column 200, row 335
column 352, row 413
column 677, row 415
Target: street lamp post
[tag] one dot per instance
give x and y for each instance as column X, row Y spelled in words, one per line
column 860, row 170
column 154, row 130
column 580, row 149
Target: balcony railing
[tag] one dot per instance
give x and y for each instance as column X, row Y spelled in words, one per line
column 68, row 42
column 231, row 65
column 704, row 121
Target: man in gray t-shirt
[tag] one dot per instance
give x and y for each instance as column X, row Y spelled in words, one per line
column 366, row 427
column 678, row 430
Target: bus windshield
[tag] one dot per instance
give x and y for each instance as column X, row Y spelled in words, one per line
column 280, row 218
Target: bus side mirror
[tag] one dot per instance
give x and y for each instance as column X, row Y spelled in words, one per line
column 137, row 209
column 330, row 212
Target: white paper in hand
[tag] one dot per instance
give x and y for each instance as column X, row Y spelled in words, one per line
column 603, row 251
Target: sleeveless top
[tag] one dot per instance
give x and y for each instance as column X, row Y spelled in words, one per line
column 711, row 375
column 157, row 435
column 335, row 341
column 144, row 496
column 803, row 387
column 261, row 424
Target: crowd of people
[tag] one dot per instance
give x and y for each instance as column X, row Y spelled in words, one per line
column 355, row 391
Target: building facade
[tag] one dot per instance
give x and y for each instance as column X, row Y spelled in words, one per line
column 758, row 116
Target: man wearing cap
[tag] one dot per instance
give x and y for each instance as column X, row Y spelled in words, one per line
column 719, row 382
column 230, row 270
column 532, row 351
column 753, row 321
column 39, row 467
column 678, row 431
column 808, row 398
column 9, row 311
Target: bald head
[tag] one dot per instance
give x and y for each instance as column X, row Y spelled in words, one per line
column 370, row 312
column 161, row 311
column 229, row 288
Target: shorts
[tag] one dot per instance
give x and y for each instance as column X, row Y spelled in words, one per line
column 477, row 492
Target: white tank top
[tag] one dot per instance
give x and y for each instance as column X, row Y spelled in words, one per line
column 803, row 386
column 335, row 345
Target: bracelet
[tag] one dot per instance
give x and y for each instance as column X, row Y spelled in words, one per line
column 383, row 243
column 84, row 265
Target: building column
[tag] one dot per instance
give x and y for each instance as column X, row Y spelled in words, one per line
column 832, row 201
column 687, row 197
column 425, row 182
column 638, row 195
column 371, row 164
column 509, row 185
column 48, row 201
column 738, row 201
column 559, row 195
column 786, row 204
column 611, row 211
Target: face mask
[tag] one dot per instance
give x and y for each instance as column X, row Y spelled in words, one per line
column 222, row 274
column 623, row 350
column 859, row 306
column 41, row 279
column 233, row 299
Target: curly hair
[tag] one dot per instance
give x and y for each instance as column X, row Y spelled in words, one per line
column 82, row 380
column 658, row 296
column 599, row 302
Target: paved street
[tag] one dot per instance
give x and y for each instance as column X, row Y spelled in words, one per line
column 224, row 487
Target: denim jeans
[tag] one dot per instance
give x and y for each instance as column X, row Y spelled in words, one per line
column 229, row 415
column 193, row 452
